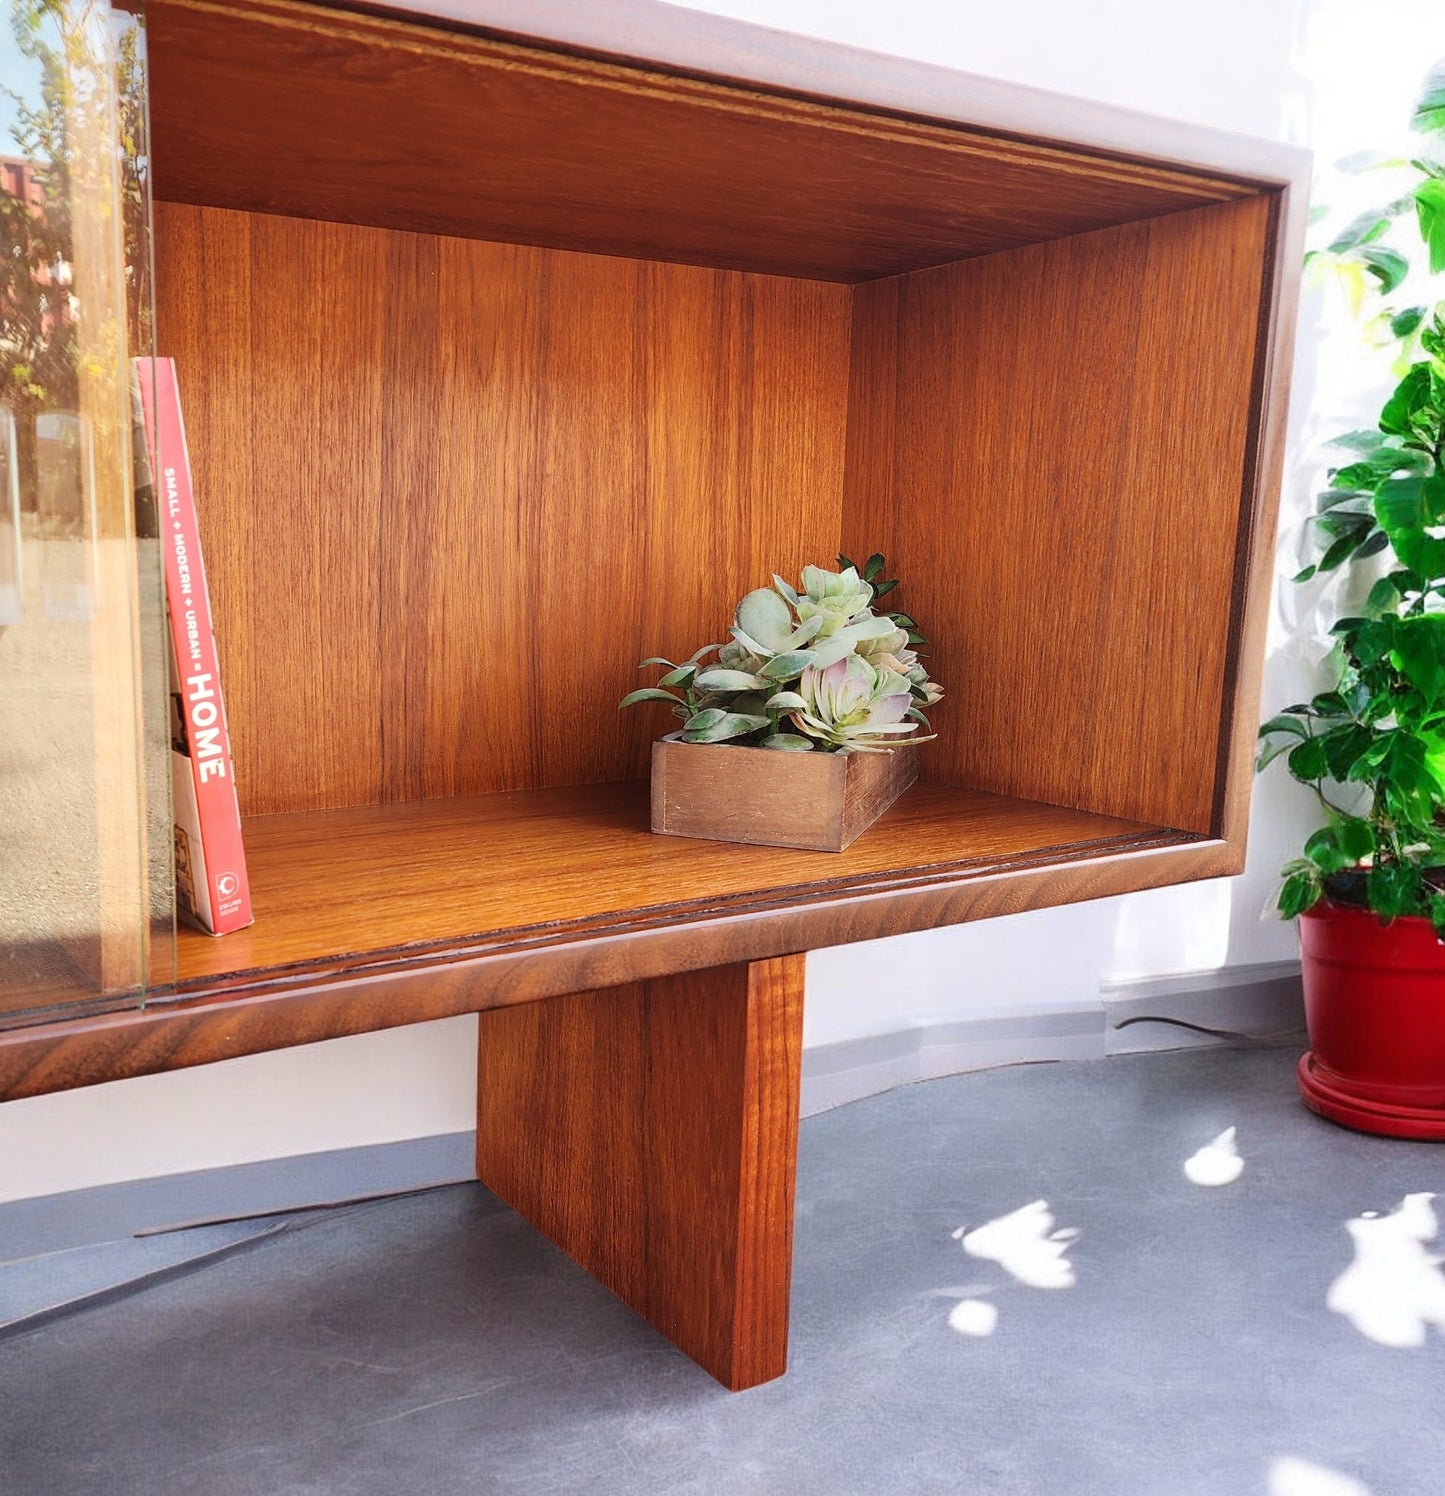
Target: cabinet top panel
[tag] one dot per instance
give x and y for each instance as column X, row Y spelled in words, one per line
column 648, row 131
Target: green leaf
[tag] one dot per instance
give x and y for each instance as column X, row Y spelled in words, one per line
column 707, row 649
column 884, row 588
column 1405, row 782
column 829, row 651
column 873, row 567
column 1373, row 642
column 1388, row 266
column 787, row 666
column 648, row 693
column 1307, row 761
column 727, row 680
column 785, row 701
column 1323, row 849
column 1284, row 724
column 844, row 563
column 766, row 617
column 1419, row 654
column 1301, row 891
column 786, row 742
column 728, row 725
column 656, row 660
column 1437, row 914
column 1394, row 889
column 1411, row 397
column 1332, row 498
column 1361, row 161
column 1278, row 736
column 1429, row 115
column 678, row 677
column 1356, row 838
column 1402, row 324
column 1368, row 442
column 1364, row 229
column 1341, row 550
column 1430, row 210
column 1407, row 509
column 1432, row 340
column 866, row 627
column 1384, row 597
column 1343, row 748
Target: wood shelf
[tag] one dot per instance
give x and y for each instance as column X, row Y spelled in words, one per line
column 518, row 339
column 347, row 887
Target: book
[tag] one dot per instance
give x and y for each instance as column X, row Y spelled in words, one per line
column 212, row 890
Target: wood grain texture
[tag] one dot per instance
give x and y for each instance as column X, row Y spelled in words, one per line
column 1063, row 446
column 453, row 492
column 1254, row 556
column 680, row 41
column 651, row 1132
column 1051, row 447
column 250, row 1013
column 278, row 107
column 817, row 801
column 360, row 882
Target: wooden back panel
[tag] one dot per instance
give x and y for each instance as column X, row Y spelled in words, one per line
column 453, row 491
column 1051, row 446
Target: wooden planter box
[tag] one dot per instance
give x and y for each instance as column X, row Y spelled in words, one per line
column 821, row 802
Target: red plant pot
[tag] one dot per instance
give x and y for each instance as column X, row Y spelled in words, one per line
column 1375, row 1006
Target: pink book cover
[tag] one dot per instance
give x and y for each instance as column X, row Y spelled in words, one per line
column 211, row 884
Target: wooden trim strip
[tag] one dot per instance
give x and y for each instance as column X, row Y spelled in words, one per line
column 1259, row 517
column 661, row 916
column 959, row 137
column 695, row 45
column 200, row 1029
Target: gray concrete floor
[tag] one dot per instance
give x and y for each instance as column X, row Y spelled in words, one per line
column 435, row 1344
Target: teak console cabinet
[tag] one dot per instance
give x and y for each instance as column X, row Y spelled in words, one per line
column 518, row 339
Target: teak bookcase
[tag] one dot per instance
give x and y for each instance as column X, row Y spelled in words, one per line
column 518, row 340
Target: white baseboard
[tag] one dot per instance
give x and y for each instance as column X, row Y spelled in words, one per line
column 834, row 1074
column 1262, row 1003
column 1244, row 1003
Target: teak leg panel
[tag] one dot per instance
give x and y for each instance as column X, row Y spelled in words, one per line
column 651, row 1131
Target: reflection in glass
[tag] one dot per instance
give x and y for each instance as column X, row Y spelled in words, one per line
column 10, row 579
column 84, row 846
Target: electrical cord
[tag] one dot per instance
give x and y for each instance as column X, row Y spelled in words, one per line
column 1245, row 1041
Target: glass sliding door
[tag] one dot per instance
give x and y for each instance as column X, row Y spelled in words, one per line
column 85, row 880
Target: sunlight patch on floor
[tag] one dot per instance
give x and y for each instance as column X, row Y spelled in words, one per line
column 1215, row 1163
column 1292, row 1477
column 1394, row 1290
column 1025, row 1244
column 973, row 1317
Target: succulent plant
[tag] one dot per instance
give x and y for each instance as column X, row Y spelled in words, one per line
column 811, row 668
column 849, row 704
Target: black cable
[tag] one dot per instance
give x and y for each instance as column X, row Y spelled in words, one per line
column 1244, row 1040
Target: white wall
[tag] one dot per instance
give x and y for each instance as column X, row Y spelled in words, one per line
column 1280, row 68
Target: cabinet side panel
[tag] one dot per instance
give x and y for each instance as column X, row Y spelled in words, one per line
column 1061, row 492
column 466, row 487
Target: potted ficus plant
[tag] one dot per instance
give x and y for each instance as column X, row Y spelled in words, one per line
column 828, row 692
column 1370, row 887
